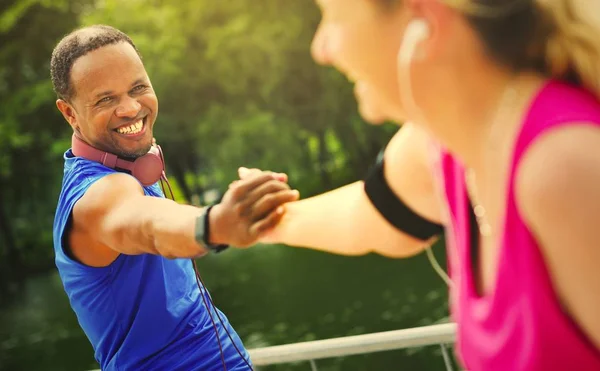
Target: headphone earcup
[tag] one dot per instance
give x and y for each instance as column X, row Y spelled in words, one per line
column 149, row 168
column 416, row 31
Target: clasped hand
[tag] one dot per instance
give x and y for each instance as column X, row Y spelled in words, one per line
column 251, row 207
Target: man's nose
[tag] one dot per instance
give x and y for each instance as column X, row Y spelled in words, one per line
column 319, row 47
column 128, row 107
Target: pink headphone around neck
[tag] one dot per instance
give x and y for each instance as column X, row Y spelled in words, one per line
column 147, row 169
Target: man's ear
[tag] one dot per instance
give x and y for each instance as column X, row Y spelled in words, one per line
column 68, row 113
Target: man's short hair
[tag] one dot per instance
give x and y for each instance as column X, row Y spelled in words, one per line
column 75, row 45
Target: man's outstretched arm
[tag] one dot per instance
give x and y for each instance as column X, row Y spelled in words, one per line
column 115, row 217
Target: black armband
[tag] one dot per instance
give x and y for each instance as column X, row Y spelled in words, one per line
column 393, row 209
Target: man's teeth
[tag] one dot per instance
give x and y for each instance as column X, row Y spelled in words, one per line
column 131, row 129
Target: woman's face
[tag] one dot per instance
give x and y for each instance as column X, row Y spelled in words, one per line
column 361, row 39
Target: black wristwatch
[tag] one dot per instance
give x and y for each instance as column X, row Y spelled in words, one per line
column 203, row 232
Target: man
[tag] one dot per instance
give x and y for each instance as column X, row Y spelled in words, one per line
column 120, row 245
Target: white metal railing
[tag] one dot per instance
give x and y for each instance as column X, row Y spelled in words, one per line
column 441, row 334
column 310, row 351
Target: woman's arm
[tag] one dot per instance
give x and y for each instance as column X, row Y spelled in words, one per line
column 560, row 201
column 344, row 221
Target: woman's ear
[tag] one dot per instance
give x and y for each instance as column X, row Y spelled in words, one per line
column 434, row 19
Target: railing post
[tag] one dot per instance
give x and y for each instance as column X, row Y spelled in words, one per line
column 313, row 365
column 446, row 356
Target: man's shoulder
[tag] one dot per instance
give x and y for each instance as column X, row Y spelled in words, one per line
column 79, row 174
column 81, row 170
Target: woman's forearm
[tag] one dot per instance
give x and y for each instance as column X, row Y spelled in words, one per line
column 344, row 222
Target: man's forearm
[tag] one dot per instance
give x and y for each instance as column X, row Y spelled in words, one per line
column 155, row 226
column 116, row 214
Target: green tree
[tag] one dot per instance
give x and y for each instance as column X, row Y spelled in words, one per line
column 31, row 133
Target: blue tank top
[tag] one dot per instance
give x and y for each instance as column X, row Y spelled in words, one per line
column 142, row 312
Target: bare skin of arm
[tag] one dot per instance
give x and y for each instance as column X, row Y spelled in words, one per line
column 560, row 202
column 345, row 222
column 115, row 217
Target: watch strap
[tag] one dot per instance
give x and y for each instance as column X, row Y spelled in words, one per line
column 202, row 232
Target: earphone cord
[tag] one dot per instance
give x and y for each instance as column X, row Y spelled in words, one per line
column 436, row 267
column 199, row 280
column 405, row 58
column 163, row 179
column 163, row 176
column 201, row 284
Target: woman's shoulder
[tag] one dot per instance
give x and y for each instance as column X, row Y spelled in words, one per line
column 560, row 101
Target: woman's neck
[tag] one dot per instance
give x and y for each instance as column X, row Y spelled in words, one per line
column 483, row 112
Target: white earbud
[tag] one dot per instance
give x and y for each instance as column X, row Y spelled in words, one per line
column 416, row 31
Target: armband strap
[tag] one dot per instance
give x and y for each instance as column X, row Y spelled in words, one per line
column 393, row 209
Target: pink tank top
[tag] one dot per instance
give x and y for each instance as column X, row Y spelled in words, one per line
column 520, row 325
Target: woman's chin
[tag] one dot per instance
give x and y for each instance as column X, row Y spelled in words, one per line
column 369, row 106
column 372, row 116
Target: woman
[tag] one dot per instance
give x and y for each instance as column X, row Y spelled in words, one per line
column 504, row 153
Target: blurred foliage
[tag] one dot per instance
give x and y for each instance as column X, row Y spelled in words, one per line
column 236, row 85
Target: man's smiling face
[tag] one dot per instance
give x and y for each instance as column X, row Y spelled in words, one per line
column 113, row 107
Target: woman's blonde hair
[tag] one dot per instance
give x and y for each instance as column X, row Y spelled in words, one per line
column 560, row 38
column 574, row 45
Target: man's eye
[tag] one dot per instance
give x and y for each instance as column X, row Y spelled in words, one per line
column 139, row 88
column 104, row 100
